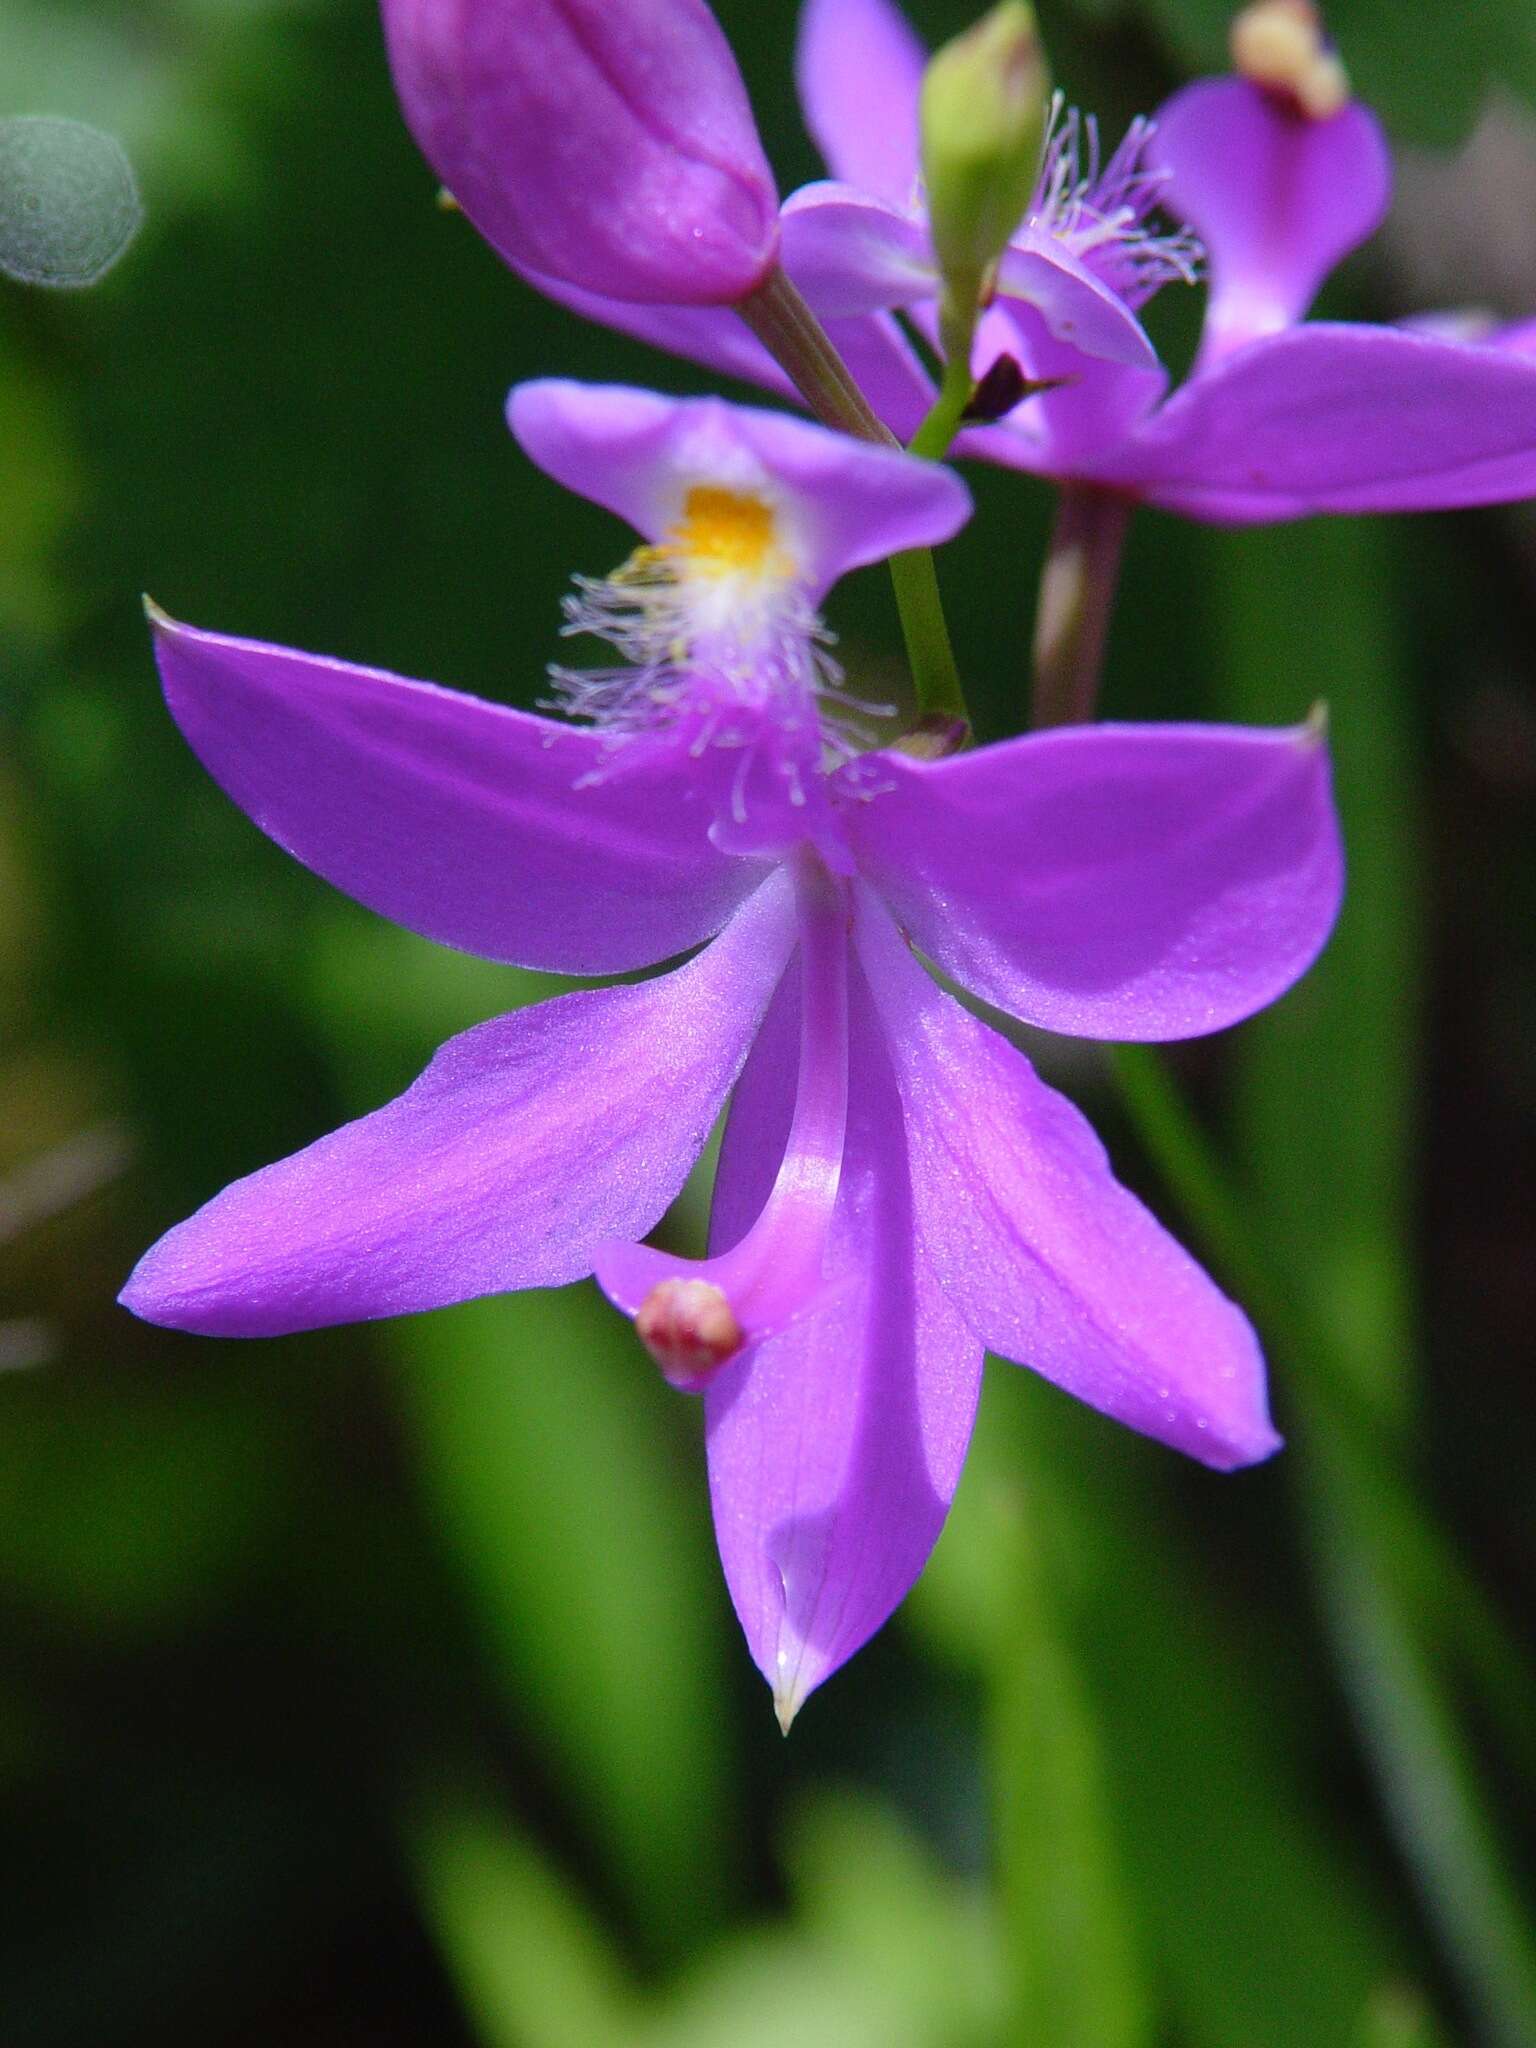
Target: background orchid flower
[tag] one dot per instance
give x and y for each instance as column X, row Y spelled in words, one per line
column 1280, row 419
column 897, row 1189
column 608, row 147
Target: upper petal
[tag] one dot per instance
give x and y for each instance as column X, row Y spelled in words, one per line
column 525, row 1144
column 1049, row 1259
column 859, row 67
column 1277, row 199
column 1333, row 418
column 835, row 1445
column 1131, row 882
column 479, row 826
column 841, row 503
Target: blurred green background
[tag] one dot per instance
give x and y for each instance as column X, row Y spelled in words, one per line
column 380, row 1685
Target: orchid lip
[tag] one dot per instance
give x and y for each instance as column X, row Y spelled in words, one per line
column 694, row 1315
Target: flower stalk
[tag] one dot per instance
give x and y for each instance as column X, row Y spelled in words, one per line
column 1077, row 598
column 796, row 339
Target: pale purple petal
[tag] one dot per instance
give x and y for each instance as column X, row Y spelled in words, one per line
column 859, row 67
column 609, row 145
column 835, row 1446
column 1076, row 307
column 1276, row 198
column 1079, row 425
column 840, row 503
column 850, row 253
column 1048, row 1258
column 1334, row 418
column 481, row 827
column 524, row 1145
column 1126, row 882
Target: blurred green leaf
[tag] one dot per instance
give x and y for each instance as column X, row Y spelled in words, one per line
column 531, row 1964
column 1074, row 1970
column 1230, row 1857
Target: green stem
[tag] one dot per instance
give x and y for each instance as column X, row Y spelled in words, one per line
column 1077, row 596
column 790, row 331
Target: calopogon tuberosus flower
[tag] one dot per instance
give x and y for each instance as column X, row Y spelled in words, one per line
column 604, row 146
column 1280, row 176
column 897, row 1189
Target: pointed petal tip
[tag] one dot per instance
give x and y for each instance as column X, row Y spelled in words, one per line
column 1314, row 728
column 786, row 1705
column 160, row 621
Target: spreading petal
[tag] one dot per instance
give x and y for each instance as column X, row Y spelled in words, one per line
column 1077, row 307
column 1047, row 1257
column 1129, row 882
column 1334, row 418
column 835, row 1445
column 839, row 503
column 524, row 1145
column 1277, row 199
column 485, row 828
column 860, row 70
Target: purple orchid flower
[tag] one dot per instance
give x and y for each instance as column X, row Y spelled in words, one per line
column 897, row 1189
column 607, row 147
column 1280, row 419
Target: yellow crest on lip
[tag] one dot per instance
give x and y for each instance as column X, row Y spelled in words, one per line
column 722, row 533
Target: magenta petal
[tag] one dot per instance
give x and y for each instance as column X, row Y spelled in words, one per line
column 1330, row 418
column 860, row 69
column 524, row 1145
column 834, row 1446
column 1047, row 1257
column 1076, row 307
column 481, row 827
column 1130, row 882
column 840, row 503
column 1276, row 198
column 850, row 253
column 609, row 145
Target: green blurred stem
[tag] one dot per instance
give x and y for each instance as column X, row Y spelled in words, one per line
column 939, row 429
column 795, row 338
column 1387, row 1580
column 1077, row 598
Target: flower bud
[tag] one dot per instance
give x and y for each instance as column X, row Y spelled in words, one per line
column 1280, row 45
column 983, row 122
column 609, row 146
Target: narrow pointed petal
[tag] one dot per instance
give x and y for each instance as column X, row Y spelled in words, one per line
column 859, row 67
column 834, row 1446
column 481, row 827
column 1277, row 199
column 1048, row 1258
column 1335, row 418
column 524, row 1145
column 1127, row 882
column 839, row 503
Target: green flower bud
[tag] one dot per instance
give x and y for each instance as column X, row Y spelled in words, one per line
column 984, row 111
